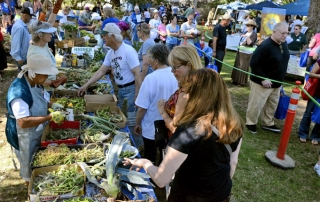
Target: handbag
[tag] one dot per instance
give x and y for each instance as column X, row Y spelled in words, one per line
column 283, row 105
column 304, row 58
column 310, row 87
column 316, row 114
column 161, row 134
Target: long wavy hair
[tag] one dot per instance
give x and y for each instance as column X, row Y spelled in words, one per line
column 209, row 103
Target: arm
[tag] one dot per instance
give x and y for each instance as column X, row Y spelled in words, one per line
column 234, row 159
column 16, row 46
column 140, row 114
column 137, row 79
column 180, row 106
column 214, row 46
column 172, row 34
column 32, row 121
column 163, row 174
column 315, row 69
column 250, row 41
column 183, row 34
column 312, row 42
column 145, row 66
column 53, row 15
column 100, row 73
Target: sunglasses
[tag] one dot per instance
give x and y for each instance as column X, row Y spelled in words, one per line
column 281, row 49
column 174, row 68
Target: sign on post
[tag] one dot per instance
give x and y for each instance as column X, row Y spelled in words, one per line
column 270, row 17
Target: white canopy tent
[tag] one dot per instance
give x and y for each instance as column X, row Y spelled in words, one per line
column 237, row 5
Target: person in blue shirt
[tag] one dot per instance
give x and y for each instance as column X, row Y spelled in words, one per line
column 109, row 17
column 135, row 19
column 21, row 37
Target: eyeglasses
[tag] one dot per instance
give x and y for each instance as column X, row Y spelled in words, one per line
column 174, row 68
column 281, row 49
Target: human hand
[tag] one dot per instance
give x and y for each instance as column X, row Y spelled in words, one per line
column 137, row 129
column 20, row 62
column 138, row 163
column 214, row 54
column 82, row 90
column 56, row 83
column 266, row 83
column 57, row 116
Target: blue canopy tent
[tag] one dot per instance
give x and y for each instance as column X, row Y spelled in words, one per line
column 259, row 6
column 300, row 7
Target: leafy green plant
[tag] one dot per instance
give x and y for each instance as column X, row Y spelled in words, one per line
column 69, row 27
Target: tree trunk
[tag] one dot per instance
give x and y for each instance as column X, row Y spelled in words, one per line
column 313, row 18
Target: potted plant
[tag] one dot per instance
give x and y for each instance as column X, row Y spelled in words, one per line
column 70, row 31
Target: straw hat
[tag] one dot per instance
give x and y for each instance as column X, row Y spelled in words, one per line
column 251, row 22
column 38, row 64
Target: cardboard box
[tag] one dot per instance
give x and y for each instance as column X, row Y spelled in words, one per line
column 39, row 171
column 71, row 42
column 53, row 126
column 96, row 101
column 118, row 111
column 64, row 93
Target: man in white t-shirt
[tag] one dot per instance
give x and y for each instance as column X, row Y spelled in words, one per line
column 161, row 84
column 189, row 30
column 124, row 63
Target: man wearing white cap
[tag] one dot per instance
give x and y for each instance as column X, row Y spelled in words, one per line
column 21, row 37
column 27, row 105
column 220, row 39
column 124, row 63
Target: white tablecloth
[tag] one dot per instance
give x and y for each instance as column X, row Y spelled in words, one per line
column 233, row 42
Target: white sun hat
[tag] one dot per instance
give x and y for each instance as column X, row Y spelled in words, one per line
column 38, row 64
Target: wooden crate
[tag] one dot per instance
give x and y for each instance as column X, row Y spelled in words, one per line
column 71, row 42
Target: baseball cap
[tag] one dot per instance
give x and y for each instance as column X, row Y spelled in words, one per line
column 38, row 64
column 111, row 28
column 28, row 10
column 87, row 8
column 227, row 17
column 95, row 16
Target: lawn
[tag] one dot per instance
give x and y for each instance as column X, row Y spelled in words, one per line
column 255, row 178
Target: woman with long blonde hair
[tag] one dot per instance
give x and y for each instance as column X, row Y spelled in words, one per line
column 205, row 145
column 182, row 59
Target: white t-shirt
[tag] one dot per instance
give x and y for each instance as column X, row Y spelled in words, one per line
column 20, row 108
column 146, row 14
column 154, row 24
column 154, row 87
column 189, row 29
column 122, row 61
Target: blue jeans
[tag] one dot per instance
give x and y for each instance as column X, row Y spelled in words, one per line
column 135, row 37
column 305, row 124
column 170, row 46
column 128, row 94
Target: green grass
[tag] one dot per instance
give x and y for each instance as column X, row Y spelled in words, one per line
column 255, row 178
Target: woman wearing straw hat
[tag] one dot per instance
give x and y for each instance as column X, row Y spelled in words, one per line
column 248, row 39
column 41, row 33
column 27, row 105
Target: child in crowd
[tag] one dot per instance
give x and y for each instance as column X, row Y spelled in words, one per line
column 208, row 53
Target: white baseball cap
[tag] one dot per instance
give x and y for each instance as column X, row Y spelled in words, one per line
column 38, row 64
column 95, row 16
column 111, row 28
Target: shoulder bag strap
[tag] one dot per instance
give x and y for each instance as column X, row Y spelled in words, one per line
column 215, row 130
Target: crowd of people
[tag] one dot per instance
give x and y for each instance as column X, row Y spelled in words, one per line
column 196, row 128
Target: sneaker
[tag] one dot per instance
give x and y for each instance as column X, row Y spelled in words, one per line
column 317, row 169
column 252, row 128
column 273, row 128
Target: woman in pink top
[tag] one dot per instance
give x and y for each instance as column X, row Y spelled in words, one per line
column 314, row 44
column 162, row 30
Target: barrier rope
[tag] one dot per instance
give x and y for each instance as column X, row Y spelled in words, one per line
column 264, row 78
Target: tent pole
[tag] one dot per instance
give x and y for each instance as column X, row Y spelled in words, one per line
column 215, row 13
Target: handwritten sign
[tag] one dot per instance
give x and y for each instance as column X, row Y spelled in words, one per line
column 82, row 50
